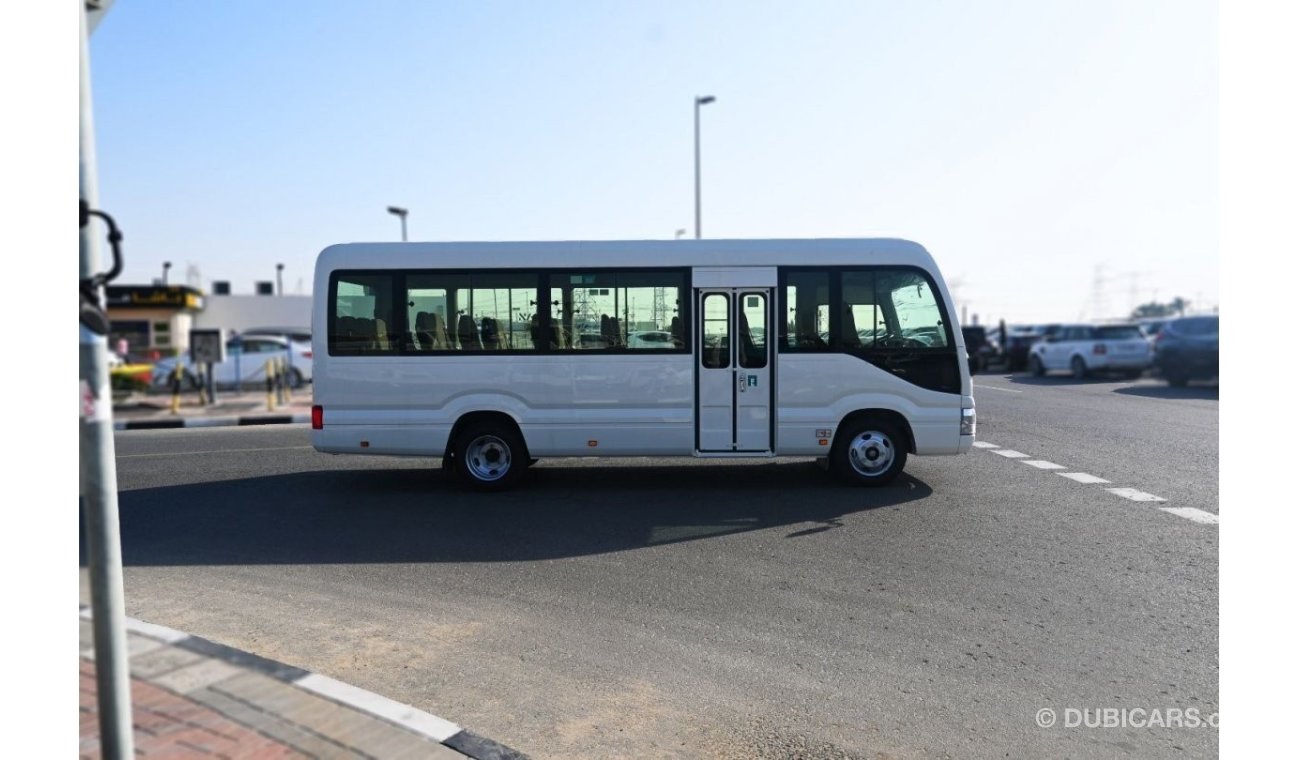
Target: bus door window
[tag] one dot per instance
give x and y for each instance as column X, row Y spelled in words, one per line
column 753, row 331
column 714, row 325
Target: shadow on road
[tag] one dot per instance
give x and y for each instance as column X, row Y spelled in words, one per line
column 1158, row 389
column 1027, row 379
column 417, row 515
column 1210, row 392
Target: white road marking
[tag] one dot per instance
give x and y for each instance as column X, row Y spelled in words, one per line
column 1193, row 514
column 1082, row 477
column 995, row 388
column 402, row 715
column 1133, row 494
column 1011, row 453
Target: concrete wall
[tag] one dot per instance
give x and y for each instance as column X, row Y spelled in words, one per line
column 238, row 313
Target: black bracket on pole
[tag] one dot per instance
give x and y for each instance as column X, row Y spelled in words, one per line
column 93, row 315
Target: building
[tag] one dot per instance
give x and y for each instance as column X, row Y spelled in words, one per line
column 153, row 321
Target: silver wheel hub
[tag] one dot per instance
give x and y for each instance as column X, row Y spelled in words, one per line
column 487, row 458
column 871, row 453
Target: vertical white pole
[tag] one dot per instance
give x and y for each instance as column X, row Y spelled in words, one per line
column 99, row 473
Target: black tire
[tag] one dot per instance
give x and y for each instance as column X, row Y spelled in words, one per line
column 1133, row 374
column 868, row 452
column 1036, row 366
column 1079, row 368
column 489, row 456
column 1176, row 377
column 293, row 378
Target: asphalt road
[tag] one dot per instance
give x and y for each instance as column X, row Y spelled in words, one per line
column 683, row 608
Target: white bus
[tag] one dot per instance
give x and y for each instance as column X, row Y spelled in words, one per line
column 491, row 355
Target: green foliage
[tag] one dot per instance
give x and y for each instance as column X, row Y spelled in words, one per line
column 1155, row 310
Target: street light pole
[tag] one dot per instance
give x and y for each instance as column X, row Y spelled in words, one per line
column 401, row 214
column 166, row 265
column 98, row 468
column 279, row 282
column 699, row 101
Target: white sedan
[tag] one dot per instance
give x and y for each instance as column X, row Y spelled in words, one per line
column 1087, row 349
column 245, row 364
column 651, row 339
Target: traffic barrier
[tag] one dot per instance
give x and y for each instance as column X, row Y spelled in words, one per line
column 203, row 389
column 177, row 374
column 289, row 390
column 270, row 386
column 279, row 380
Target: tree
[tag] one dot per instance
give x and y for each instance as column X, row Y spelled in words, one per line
column 1151, row 310
column 1155, row 309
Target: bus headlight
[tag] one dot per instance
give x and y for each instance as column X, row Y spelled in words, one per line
column 968, row 422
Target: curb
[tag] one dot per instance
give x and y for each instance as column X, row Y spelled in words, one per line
column 197, row 422
column 410, row 718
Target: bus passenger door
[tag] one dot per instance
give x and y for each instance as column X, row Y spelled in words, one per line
column 734, row 371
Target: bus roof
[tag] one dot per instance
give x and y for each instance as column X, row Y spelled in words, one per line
column 627, row 253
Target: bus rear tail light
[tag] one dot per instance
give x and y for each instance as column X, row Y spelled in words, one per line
column 1099, row 349
column 318, row 417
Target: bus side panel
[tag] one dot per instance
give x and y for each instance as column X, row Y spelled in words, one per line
column 626, row 404
column 816, row 391
column 391, row 440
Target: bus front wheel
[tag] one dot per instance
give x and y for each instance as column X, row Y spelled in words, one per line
column 869, row 452
column 490, row 456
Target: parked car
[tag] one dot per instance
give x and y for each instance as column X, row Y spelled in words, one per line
column 982, row 348
column 296, row 334
column 245, row 364
column 1087, row 349
column 1151, row 328
column 1019, row 340
column 651, row 339
column 592, row 340
column 1188, row 349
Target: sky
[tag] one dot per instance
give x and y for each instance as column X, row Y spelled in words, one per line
column 1059, row 159
column 1024, row 143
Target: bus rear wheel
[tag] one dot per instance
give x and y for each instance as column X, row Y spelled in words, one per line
column 869, row 452
column 489, row 456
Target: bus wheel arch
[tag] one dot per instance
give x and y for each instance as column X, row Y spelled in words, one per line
column 486, row 450
column 870, row 447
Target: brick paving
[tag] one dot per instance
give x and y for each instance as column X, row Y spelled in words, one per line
column 168, row 725
column 199, row 704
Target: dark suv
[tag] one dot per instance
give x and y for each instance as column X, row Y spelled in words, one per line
column 1020, row 339
column 982, row 349
column 1188, row 349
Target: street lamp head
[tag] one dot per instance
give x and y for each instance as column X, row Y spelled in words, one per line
column 397, row 210
column 279, row 267
column 704, row 100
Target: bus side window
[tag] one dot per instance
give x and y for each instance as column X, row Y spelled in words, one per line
column 467, row 332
